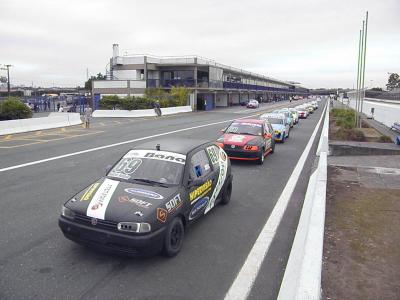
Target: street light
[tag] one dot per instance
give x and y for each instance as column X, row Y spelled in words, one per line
column 7, row 67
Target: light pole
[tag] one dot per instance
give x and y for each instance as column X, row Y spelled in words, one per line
column 7, row 67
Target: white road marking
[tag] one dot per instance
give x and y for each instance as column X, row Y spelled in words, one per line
column 118, row 144
column 244, row 280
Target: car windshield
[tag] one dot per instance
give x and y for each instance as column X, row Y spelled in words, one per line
column 275, row 120
column 244, row 128
column 149, row 167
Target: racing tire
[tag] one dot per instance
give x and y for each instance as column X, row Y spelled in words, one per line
column 283, row 138
column 226, row 195
column 174, row 237
column 260, row 160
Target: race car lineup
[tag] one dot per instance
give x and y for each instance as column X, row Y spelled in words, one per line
column 148, row 197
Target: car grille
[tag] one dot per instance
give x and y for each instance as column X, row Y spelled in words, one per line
column 104, row 224
column 229, row 147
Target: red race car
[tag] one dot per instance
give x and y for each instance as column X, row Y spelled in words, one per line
column 248, row 139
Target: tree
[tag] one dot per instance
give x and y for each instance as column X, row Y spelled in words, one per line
column 88, row 83
column 393, row 81
column 376, row 89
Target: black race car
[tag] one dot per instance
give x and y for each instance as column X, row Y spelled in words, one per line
column 148, row 197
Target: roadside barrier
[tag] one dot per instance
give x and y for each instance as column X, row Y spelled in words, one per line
column 98, row 113
column 302, row 278
column 54, row 120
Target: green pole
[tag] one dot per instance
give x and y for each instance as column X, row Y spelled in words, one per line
column 363, row 69
column 358, row 79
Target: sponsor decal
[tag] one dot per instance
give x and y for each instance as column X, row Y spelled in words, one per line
column 144, row 193
column 212, row 152
column 196, row 210
column 159, row 155
column 237, row 138
column 200, row 191
column 222, row 155
column 233, row 146
column 126, row 167
column 98, row 205
column 173, row 204
column 89, row 192
column 223, row 169
column 162, row 215
column 138, row 202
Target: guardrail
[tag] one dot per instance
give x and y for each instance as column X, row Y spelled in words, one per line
column 302, row 278
column 140, row 112
column 54, row 120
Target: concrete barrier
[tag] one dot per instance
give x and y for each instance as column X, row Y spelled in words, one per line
column 54, row 120
column 140, row 112
column 302, row 278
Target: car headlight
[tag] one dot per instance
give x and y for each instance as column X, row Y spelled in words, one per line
column 67, row 213
column 134, row 227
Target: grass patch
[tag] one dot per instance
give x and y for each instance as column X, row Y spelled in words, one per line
column 344, row 118
column 350, row 135
column 385, row 139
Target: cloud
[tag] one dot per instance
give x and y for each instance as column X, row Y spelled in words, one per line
column 311, row 41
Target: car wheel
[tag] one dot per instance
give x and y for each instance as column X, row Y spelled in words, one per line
column 273, row 147
column 226, row 196
column 283, row 138
column 261, row 157
column 288, row 134
column 174, row 237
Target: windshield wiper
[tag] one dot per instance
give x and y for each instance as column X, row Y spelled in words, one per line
column 149, row 181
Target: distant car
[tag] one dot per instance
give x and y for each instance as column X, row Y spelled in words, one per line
column 303, row 113
column 287, row 114
column 244, row 103
column 279, row 124
column 253, row 104
column 149, row 196
column 248, row 139
column 295, row 115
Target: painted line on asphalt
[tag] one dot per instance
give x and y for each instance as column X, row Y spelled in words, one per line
column 247, row 275
column 118, row 144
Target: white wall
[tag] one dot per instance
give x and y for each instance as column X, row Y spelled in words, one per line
column 125, row 74
column 235, row 98
column 110, row 84
column 221, row 100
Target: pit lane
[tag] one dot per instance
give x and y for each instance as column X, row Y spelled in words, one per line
column 37, row 261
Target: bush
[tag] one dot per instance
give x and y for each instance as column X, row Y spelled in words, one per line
column 350, row 135
column 13, row 108
column 344, row 118
column 110, row 102
column 385, row 139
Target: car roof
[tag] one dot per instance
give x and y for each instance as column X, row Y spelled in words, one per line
column 273, row 115
column 177, row 145
column 254, row 121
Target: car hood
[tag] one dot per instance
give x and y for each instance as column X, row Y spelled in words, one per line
column 112, row 200
column 278, row 127
column 238, row 139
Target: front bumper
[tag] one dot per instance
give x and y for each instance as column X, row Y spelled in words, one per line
column 240, row 153
column 113, row 242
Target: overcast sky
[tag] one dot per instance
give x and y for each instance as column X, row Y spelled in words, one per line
column 314, row 42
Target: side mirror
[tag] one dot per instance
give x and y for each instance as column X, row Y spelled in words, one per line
column 196, row 182
column 108, row 168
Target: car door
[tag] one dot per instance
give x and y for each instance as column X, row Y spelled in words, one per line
column 201, row 183
column 268, row 135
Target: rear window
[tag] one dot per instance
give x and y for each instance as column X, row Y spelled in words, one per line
column 157, row 166
column 245, row 128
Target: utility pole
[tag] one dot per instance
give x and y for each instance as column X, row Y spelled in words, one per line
column 358, row 80
column 7, row 67
column 365, row 52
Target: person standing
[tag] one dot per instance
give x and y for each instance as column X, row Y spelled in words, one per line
column 87, row 115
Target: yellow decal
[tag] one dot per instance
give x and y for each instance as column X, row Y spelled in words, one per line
column 89, row 192
column 200, row 191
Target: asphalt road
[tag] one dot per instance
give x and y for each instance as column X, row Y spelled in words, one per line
column 37, row 262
